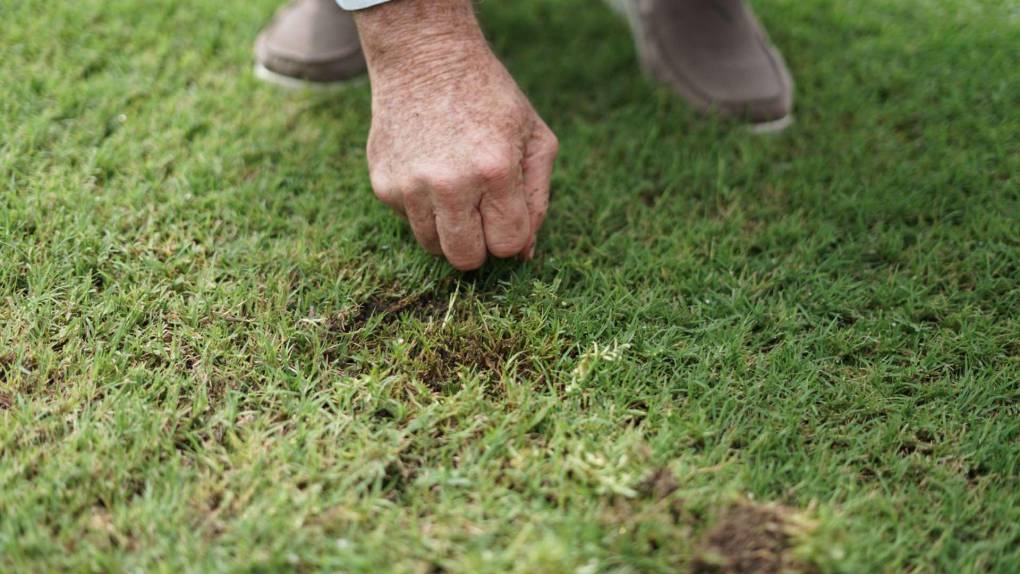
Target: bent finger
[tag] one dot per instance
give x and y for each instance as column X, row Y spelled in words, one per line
column 422, row 218
column 505, row 218
column 461, row 236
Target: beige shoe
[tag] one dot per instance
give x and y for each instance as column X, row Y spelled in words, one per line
column 309, row 42
column 716, row 55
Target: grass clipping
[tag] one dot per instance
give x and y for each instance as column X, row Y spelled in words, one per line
column 753, row 538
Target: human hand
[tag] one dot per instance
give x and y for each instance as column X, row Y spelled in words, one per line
column 455, row 145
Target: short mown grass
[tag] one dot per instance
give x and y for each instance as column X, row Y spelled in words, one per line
column 218, row 352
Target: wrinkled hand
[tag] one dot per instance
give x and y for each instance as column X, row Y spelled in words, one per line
column 458, row 150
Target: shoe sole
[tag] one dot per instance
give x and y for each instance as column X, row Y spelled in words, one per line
column 772, row 127
column 296, row 84
column 629, row 10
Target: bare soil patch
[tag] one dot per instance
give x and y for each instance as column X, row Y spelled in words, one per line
column 751, row 538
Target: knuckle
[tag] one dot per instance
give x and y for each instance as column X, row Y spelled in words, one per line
column 493, row 173
column 387, row 197
column 553, row 144
column 433, row 174
column 493, row 168
column 384, row 189
column 447, row 188
column 409, row 191
column 439, row 180
column 379, row 180
column 549, row 145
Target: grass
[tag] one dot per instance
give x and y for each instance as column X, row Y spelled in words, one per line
column 218, row 352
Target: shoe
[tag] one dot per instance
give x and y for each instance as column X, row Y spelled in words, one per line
column 716, row 54
column 309, row 42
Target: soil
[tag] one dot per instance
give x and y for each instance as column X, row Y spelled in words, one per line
column 749, row 539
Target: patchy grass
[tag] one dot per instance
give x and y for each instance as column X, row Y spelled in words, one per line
column 219, row 353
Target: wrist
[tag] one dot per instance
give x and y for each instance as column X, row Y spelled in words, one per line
column 419, row 42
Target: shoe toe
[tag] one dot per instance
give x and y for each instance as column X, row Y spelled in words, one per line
column 312, row 40
column 716, row 55
column 765, row 93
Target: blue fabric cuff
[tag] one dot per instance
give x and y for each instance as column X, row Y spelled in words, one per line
column 359, row 4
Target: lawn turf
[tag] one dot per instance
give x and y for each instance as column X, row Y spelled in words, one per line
column 218, row 352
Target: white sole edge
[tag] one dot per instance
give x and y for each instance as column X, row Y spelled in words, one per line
column 770, row 128
column 266, row 75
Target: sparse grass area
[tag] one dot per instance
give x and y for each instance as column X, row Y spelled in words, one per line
column 219, row 353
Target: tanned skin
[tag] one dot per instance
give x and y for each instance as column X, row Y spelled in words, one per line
column 455, row 146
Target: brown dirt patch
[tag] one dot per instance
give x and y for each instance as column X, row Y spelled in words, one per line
column 441, row 341
column 471, row 347
column 659, row 484
column 392, row 304
column 6, row 400
column 750, row 538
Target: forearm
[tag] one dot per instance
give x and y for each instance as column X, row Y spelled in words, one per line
column 419, row 40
